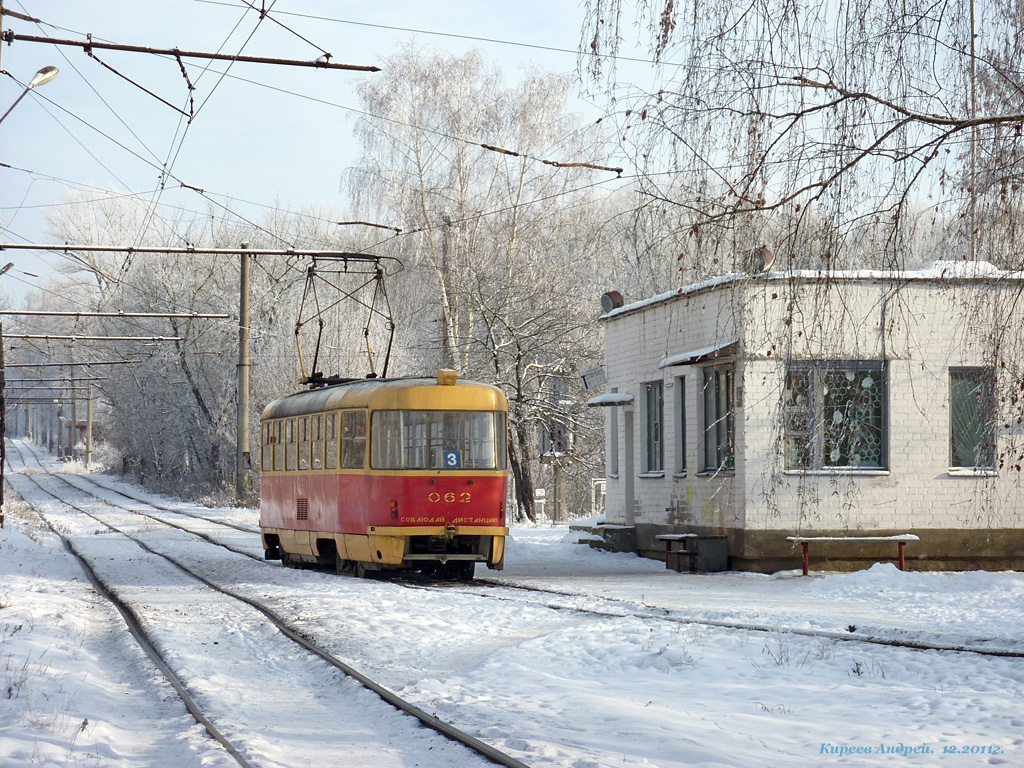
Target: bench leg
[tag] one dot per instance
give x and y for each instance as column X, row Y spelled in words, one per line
column 903, row 560
column 807, row 558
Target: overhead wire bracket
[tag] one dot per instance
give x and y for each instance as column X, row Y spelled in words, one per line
column 369, row 271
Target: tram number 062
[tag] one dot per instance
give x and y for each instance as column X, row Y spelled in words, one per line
column 451, row 497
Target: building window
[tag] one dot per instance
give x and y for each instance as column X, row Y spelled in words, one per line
column 719, row 428
column 972, row 434
column 835, row 416
column 654, row 454
column 680, row 422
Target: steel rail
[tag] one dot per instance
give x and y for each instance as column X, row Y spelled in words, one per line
column 434, row 723
column 497, row 584
column 136, row 629
column 170, row 523
column 848, row 636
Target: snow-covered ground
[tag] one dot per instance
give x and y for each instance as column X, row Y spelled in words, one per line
column 659, row 668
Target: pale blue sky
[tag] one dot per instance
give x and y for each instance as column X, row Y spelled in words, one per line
column 248, row 141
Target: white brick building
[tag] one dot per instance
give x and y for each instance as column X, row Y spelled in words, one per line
column 859, row 403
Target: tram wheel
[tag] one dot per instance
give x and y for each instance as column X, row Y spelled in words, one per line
column 460, row 570
column 288, row 561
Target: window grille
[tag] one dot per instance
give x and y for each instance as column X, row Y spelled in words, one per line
column 835, row 416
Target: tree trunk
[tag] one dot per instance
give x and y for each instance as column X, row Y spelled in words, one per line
column 519, row 463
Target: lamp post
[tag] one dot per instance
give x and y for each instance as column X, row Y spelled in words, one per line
column 43, row 76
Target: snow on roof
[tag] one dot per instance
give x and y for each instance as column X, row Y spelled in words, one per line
column 694, row 355
column 704, row 284
column 612, row 398
column 943, row 269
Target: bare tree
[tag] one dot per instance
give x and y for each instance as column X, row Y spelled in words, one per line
column 172, row 412
column 854, row 133
column 860, row 113
column 498, row 237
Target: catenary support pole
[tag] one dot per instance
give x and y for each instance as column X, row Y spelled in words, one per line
column 242, row 426
column 88, row 431
column 3, row 410
column 74, row 410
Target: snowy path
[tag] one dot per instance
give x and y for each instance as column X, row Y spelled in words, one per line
column 571, row 689
column 279, row 705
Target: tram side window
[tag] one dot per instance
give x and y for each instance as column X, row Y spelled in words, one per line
column 304, row 442
column 278, row 437
column 291, row 447
column 353, row 439
column 331, row 440
column 266, row 446
column 501, row 440
column 317, row 426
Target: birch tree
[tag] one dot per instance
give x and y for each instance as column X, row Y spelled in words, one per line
column 854, row 133
column 879, row 118
column 456, row 159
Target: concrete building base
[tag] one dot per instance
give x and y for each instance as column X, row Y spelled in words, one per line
column 769, row 551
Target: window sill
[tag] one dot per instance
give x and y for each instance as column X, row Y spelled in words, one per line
column 613, row 475
column 971, row 472
column 839, row 472
column 682, row 475
column 648, row 475
column 717, row 473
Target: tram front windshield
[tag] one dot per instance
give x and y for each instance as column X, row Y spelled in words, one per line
column 450, row 440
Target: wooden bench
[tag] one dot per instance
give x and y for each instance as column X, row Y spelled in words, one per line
column 694, row 552
column 901, row 540
column 673, row 555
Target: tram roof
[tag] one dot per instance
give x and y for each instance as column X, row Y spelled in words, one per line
column 391, row 394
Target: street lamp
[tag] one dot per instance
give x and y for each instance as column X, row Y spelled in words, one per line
column 43, row 76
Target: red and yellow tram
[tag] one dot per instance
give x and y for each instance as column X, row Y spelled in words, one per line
column 386, row 474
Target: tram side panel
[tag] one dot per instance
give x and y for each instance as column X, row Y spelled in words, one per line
column 322, row 502
column 370, row 516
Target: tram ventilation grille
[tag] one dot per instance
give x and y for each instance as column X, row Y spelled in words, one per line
column 302, row 509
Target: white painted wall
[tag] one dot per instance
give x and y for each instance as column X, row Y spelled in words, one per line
column 929, row 326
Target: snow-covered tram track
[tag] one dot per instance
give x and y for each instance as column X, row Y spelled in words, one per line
column 502, row 590
column 91, row 482
column 456, row 737
column 143, row 639
column 255, row 555
column 149, row 503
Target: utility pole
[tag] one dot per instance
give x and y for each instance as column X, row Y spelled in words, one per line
column 88, row 432
column 242, row 426
column 974, row 132
column 3, row 411
column 74, row 406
